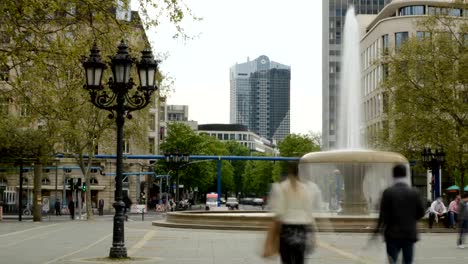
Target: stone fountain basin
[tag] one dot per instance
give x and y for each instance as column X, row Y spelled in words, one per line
column 259, row 220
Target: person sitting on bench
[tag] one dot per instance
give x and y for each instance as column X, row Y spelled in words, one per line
column 438, row 211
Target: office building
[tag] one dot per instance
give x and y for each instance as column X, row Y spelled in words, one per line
column 240, row 134
column 333, row 15
column 260, row 97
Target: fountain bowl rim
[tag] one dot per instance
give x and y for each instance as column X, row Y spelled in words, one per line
column 353, row 156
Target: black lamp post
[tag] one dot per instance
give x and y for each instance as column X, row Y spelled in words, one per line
column 434, row 160
column 120, row 102
column 178, row 159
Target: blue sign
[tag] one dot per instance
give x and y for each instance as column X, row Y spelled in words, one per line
column 174, row 186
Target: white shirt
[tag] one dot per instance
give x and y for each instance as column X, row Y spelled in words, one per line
column 295, row 206
column 438, row 207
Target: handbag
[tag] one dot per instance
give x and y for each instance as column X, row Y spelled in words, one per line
column 272, row 242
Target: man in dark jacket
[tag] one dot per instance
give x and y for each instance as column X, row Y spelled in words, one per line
column 463, row 213
column 400, row 209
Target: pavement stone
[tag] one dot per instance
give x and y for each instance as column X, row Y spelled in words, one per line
column 66, row 241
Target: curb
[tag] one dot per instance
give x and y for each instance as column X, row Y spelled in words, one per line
column 350, row 229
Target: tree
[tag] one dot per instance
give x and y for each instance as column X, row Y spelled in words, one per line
column 234, row 148
column 297, row 145
column 45, row 42
column 31, row 147
column 183, row 139
column 427, row 88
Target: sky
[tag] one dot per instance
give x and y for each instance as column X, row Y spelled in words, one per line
column 288, row 32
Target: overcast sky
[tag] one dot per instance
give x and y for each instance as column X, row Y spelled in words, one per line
column 288, row 32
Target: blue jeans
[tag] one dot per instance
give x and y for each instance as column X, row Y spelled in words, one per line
column 393, row 250
column 463, row 230
column 452, row 216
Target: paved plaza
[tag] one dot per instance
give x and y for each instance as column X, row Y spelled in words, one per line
column 59, row 240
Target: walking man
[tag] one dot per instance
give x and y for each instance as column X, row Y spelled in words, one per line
column 101, row 207
column 71, row 208
column 463, row 214
column 58, row 208
column 400, row 209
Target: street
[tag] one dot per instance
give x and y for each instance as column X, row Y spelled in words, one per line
column 59, row 240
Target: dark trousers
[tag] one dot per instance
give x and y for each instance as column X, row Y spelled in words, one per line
column 57, row 211
column 292, row 244
column 101, row 211
column 463, row 230
column 443, row 218
column 394, row 246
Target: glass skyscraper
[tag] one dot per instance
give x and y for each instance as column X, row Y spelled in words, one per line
column 333, row 15
column 260, row 92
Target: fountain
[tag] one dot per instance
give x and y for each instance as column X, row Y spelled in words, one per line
column 351, row 178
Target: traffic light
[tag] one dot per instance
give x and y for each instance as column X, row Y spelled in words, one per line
column 78, row 183
column 84, row 187
column 70, row 184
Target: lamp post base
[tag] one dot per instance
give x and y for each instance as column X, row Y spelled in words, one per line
column 118, row 252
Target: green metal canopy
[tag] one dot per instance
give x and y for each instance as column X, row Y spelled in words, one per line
column 453, row 188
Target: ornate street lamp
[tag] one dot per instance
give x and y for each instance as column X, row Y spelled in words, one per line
column 433, row 161
column 179, row 160
column 120, row 102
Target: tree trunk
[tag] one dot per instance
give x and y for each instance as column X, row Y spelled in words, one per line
column 37, row 194
column 89, row 206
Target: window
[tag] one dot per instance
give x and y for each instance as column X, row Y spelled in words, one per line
column 45, row 181
column 4, row 73
column 162, row 133
column 126, row 146
column 455, row 12
column 24, row 110
column 412, row 10
column 152, row 122
column 151, row 145
column 385, row 44
column 93, row 181
column 400, row 39
column 422, row 34
column 4, row 105
column 384, row 71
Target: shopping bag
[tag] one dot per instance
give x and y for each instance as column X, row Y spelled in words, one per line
column 272, row 241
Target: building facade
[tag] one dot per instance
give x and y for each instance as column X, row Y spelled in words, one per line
column 260, row 97
column 385, row 33
column 333, row 16
column 240, row 134
column 56, row 173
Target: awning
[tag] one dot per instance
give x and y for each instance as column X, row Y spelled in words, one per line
column 453, row 188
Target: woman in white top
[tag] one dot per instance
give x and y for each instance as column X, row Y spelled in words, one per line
column 293, row 201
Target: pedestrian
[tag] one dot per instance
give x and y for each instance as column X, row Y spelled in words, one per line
column 463, row 220
column 71, row 208
column 400, row 209
column 101, row 206
column 128, row 204
column 58, row 208
column 437, row 212
column 453, row 211
column 292, row 202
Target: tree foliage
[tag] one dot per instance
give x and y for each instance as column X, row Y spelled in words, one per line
column 202, row 174
column 296, row 145
column 42, row 45
column 427, row 86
